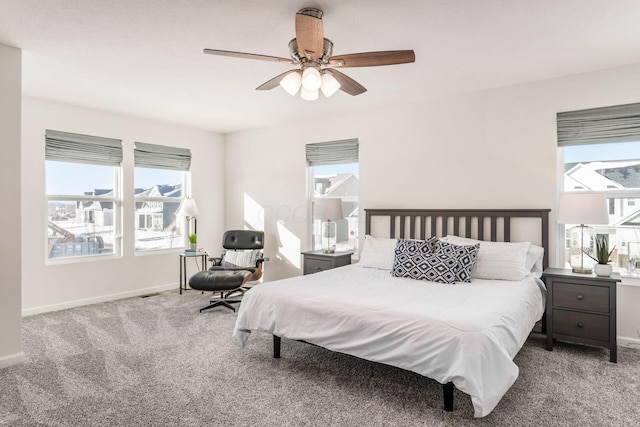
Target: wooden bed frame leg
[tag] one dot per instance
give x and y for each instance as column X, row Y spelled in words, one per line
column 276, row 347
column 447, row 390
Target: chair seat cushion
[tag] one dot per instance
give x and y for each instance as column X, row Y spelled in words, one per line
column 218, row 280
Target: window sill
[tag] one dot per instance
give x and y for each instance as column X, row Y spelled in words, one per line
column 630, row 281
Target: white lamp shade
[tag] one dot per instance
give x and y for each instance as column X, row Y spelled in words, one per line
column 328, row 209
column 188, row 208
column 291, row 82
column 583, row 208
column 311, row 79
column 308, row 95
column 329, row 85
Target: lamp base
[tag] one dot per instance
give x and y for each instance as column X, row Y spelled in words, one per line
column 328, row 251
column 582, row 238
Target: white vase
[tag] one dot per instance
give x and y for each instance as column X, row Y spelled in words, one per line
column 193, row 246
column 603, row 270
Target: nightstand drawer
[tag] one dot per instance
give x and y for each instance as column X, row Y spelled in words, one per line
column 582, row 325
column 314, row 265
column 581, row 297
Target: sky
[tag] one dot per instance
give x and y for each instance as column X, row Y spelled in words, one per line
column 602, row 152
column 336, row 169
column 77, row 178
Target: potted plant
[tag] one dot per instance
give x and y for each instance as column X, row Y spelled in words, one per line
column 193, row 242
column 603, row 257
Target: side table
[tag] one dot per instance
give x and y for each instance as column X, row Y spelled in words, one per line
column 581, row 308
column 315, row 261
column 183, row 266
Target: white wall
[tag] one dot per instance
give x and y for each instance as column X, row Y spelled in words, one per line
column 10, row 254
column 46, row 287
column 490, row 149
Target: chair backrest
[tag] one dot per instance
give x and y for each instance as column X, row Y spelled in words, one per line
column 243, row 239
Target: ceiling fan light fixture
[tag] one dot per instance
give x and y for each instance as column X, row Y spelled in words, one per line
column 308, row 95
column 329, row 85
column 291, row 83
column 311, row 79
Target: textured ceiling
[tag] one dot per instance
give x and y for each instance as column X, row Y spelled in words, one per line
column 144, row 58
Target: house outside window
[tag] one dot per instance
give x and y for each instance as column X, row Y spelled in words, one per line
column 601, row 153
column 158, row 193
column 83, row 199
column 334, row 173
column 161, row 176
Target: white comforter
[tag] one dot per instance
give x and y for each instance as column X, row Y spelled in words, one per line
column 466, row 333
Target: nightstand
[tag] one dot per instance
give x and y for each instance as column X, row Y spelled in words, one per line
column 315, row 261
column 183, row 266
column 581, row 308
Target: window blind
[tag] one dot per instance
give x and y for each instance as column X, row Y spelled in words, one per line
column 161, row 157
column 78, row 148
column 332, row 152
column 620, row 123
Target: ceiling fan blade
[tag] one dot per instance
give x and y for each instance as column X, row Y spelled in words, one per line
column 274, row 82
column 249, row 56
column 347, row 84
column 309, row 33
column 371, row 59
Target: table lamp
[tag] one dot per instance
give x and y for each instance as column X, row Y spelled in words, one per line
column 189, row 209
column 582, row 209
column 328, row 210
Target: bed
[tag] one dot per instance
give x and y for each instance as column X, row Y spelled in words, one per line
column 464, row 334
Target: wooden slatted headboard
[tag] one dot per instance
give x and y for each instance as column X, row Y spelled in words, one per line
column 482, row 224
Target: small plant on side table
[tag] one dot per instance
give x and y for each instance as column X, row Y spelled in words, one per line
column 193, row 240
column 603, row 257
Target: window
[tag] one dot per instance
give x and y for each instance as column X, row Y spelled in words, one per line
column 334, row 173
column 160, row 177
column 83, row 200
column 601, row 151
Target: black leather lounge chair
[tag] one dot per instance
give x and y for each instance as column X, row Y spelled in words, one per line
column 241, row 262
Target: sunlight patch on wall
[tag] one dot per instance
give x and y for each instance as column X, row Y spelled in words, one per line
column 289, row 245
column 253, row 214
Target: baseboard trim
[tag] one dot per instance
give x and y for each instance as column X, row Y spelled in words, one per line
column 13, row 359
column 629, row 342
column 95, row 300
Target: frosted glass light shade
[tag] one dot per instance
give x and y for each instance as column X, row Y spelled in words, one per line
column 311, row 79
column 291, row 83
column 329, row 85
column 308, row 95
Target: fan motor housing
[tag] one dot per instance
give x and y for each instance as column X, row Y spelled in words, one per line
column 327, row 51
column 311, row 11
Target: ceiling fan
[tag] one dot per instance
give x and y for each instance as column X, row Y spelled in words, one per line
column 313, row 53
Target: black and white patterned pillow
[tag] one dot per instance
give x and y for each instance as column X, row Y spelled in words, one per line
column 406, row 247
column 433, row 267
column 466, row 256
column 425, row 266
column 413, row 246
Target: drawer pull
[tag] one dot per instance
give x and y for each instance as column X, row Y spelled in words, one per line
column 318, row 269
column 579, row 325
column 580, row 297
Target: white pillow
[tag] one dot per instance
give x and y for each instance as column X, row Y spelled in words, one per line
column 497, row 260
column 240, row 258
column 534, row 260
column 377, row 253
